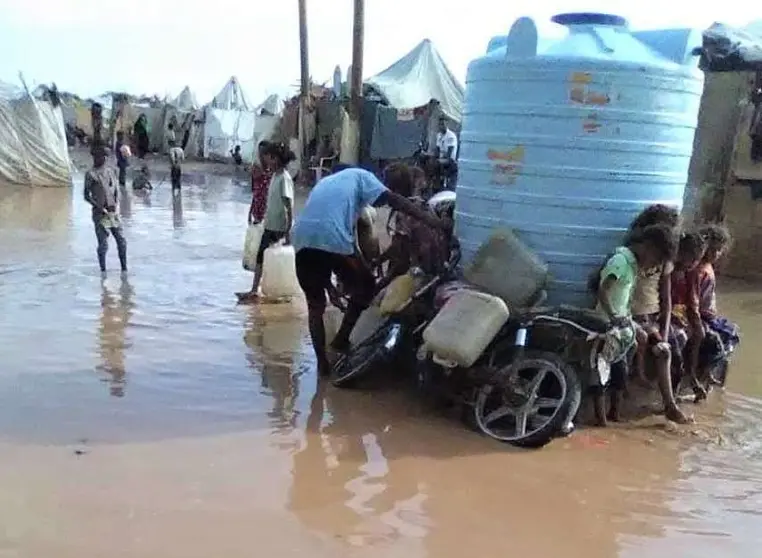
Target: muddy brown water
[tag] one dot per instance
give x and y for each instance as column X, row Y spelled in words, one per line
column 152, row 417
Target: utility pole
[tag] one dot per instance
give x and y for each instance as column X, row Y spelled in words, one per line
column 355, row 112
column 305, row 84
column 358, row 39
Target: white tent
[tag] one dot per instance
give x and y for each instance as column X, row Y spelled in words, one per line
column 186, row 100
column 33, row 147
column 232, row 97
column 231, row 120
column 273, row 105
column 417, row 78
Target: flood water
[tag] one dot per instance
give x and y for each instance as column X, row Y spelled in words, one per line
column 152, row 417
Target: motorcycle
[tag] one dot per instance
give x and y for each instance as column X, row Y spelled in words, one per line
column 399, row 332
column 526, row 387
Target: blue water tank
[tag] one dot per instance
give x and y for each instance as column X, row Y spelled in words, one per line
column 567, row 144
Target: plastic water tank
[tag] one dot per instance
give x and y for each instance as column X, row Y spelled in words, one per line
column 567, row 144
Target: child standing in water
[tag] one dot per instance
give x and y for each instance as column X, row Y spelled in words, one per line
column 121, row 158
column 647, row 248
column 278, row 213
column 176, row 158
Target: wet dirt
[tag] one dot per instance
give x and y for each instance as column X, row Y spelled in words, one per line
column 152, row 416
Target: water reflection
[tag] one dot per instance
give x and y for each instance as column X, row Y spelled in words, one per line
column 272, row 346
column 125, row 202
column 116, row 312
column 177, row 210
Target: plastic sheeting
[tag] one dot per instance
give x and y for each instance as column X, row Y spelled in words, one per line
column 273, row 106
column 186, row 100
column 224, row 129
column 232, row 97
column 732, row 49
column 33, row 147
column 417, row 78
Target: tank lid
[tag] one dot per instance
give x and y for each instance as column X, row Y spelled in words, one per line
column 589, row 18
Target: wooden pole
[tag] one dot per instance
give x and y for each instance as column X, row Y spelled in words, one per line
column 358, row 39
column 305, row 85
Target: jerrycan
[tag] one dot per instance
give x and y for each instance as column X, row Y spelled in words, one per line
column 279, row 272
column 332, row 322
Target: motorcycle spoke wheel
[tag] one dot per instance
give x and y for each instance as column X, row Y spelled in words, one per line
column 528, row 401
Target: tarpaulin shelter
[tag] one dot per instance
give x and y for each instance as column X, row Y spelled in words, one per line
column 273, row 105
column 33, row 148
column 186, row 100
column 417, row 78
column 231, row 120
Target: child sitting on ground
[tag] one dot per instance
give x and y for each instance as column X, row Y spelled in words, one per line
column 142, row 180
column 721, row 335
column 647, row 248
column 686, row 325
column 651, row 300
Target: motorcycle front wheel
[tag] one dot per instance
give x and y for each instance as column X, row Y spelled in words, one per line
column 361, row 359
column 530, row 403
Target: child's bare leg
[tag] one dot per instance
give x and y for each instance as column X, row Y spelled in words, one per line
column 663, row 366
column 641, row 339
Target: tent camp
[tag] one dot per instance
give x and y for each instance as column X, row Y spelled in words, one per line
column 417, row 78
column 230, row 120
column 33, row 147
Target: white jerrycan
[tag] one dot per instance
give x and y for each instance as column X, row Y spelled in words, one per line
column 279, row 272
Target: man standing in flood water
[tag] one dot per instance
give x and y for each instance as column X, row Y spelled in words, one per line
column 101, row 193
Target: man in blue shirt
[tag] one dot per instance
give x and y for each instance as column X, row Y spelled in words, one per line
column 324, row 239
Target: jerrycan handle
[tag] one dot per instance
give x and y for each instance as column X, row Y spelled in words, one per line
column 522, row 39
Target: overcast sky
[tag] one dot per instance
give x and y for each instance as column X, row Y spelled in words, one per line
column 159, row 46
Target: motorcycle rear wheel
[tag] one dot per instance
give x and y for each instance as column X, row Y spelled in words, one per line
column 361, row 359
column 537, row 394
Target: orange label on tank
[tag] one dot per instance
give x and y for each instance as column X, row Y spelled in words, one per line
column 515, row 154
column 507, row 164
column 584, row 95
column 581, row 77
column 590, row 124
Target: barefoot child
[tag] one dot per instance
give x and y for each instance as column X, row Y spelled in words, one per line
column 647, row 248
column 651, row 299
column 686, row 321
column 278, row 214
column 721, row 335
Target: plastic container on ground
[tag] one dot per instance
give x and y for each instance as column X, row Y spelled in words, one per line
column 465, row 326
column 566, row 143
column 251, row 245
column 279, row 272
column 366, row 325
column 332, row 322
column 398, row 293
column 505, row 267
